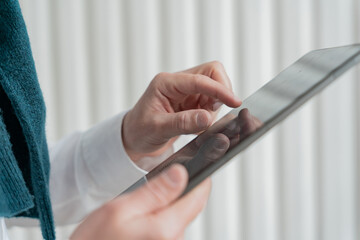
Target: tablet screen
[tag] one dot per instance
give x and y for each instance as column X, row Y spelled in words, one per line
column 260, row 112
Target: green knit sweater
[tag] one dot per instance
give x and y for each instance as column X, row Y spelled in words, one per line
column 24, row 159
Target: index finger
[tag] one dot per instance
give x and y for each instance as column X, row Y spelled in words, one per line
column 178, row 85
column 214, row 70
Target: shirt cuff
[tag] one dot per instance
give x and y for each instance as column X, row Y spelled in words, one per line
column 106, row 159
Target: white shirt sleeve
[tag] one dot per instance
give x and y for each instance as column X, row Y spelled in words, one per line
column 87, row 169
column 3, row 232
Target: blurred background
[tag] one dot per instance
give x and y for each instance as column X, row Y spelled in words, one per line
column 301, row 181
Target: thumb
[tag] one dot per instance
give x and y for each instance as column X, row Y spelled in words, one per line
column 185, row 122
column 158, row 192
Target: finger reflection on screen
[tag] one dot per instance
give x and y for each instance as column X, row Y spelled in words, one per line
column 210, row 146
column 211, row 150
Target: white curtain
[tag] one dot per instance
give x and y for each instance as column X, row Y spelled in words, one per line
column 301, row 181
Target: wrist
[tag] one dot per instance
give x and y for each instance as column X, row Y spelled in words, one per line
column 127, row 134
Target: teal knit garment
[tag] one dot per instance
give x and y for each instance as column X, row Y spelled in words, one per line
column 24, row 158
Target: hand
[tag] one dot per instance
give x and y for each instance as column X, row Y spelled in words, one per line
column 150, row 212
column 176, row 104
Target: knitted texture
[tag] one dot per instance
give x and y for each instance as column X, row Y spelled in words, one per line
column 24, row 158
column 12, row 184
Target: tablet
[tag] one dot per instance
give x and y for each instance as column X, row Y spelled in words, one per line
column 259, row 113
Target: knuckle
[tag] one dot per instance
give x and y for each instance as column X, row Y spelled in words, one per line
column 155, row 122
column 159, row 78
column 159, row 191
column 161, row 75
column 180, row 122
column 198, row 77
column 216, row 65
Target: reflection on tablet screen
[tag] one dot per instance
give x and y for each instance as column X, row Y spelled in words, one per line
column 214, row 143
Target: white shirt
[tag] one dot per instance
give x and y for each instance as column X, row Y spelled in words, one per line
column 87, row 169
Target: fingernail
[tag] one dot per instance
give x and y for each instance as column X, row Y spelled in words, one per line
column 201, row 120
column 173, row 176
column 237, row 98
column 220, row 144
column 216, row 106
